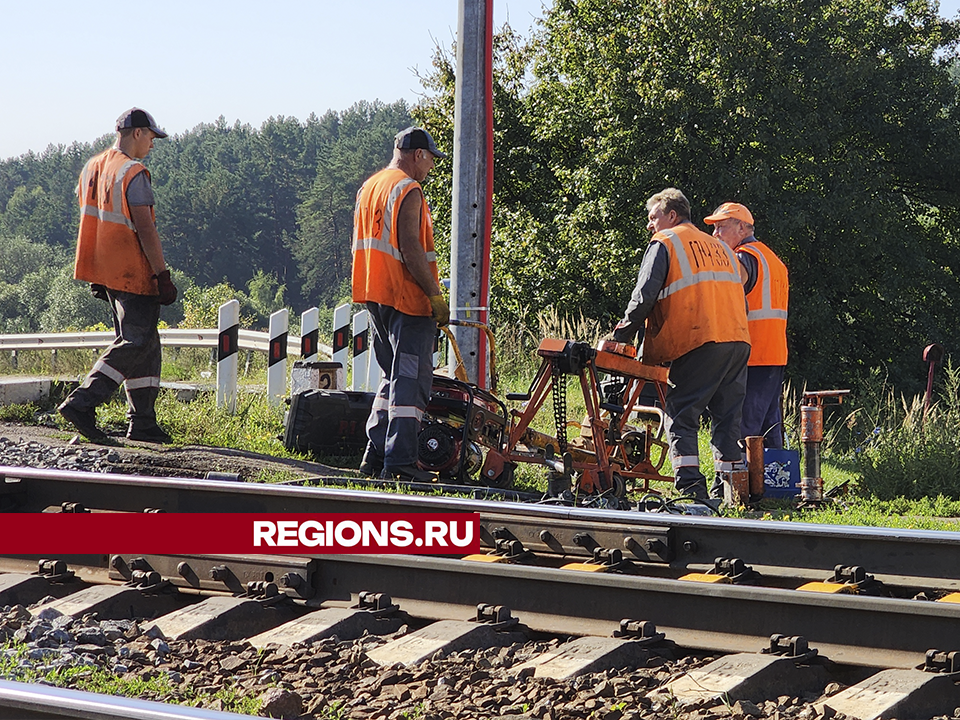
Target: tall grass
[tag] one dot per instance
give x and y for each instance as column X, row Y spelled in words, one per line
column 517, row 359
column 256, row 425
column 903, row 452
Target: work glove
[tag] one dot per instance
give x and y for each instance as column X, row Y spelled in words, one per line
column 441, row 311
column 99, row 292
column 168, row 291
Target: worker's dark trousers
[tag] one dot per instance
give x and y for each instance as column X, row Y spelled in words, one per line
column 761, row 405
column 711, row 377
column 132, row 359
column 403, row 347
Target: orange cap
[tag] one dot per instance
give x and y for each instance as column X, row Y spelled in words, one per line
column 730, row 210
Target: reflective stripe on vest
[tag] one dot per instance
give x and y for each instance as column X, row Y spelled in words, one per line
column 108, row 248
column 106, row 216
column 702, row 298
column 383, row 244
column 766, row 310
column 385, row 247
column 767, row 305
column 380, row 274
column 687, row 276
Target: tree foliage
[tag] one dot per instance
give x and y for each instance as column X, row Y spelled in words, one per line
column 835, row 121
column 363, row 143
column 270, row 209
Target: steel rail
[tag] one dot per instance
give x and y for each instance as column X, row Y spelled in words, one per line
column 869, row 631
column 24, row 701
column 926, row 558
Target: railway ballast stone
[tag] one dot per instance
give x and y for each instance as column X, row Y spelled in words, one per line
column 335, row 678
column 31, row 453
column 280, row 703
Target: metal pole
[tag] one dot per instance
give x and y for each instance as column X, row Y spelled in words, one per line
column 472, row 182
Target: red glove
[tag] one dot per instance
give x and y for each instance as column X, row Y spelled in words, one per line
column 168, row 291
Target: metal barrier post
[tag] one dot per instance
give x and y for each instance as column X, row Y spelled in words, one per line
column 341, row 340
column 277, row 357
column 309, row 334
column 228, row 325
column 361, row 351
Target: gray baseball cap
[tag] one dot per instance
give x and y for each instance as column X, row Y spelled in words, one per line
column 414, row 138
column 137, row 118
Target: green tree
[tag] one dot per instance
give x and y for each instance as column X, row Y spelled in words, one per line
column 361, row 145
column 201, row 306
column 69, row 305
column 266, row 295
column 835, row 121
column 20, row 256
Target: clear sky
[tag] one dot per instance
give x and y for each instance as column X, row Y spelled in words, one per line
column 70, row 68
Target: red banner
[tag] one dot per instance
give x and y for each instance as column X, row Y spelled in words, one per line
column 239, row 534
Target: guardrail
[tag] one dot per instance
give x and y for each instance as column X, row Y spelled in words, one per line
column 350, row 337
column 171, row 337
column 227, row 340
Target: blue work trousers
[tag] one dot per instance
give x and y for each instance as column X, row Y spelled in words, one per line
column 403, row 347
column 761, row 405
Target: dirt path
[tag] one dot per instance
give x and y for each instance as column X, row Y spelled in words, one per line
column 192, row 461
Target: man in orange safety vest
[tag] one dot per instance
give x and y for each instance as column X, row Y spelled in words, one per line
column 766, row 284
column 119, row 254
column 688, row 309
column 395, row 274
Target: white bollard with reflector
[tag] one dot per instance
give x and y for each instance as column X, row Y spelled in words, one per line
column 309, row 334
column 361, row 351
column 341, row 341
column 228, row 325
column 277, row 357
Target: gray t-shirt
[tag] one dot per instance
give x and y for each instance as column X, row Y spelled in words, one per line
column 140, row 191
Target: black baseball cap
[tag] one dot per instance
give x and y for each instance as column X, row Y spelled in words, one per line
column 414, row 138
column 137, row 118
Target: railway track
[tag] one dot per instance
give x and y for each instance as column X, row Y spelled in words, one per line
column 22, row 701
column 608, row 589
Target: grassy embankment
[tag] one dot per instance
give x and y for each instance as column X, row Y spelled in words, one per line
column 887, row 465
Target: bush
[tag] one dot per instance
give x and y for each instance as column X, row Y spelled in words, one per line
column 906, row 454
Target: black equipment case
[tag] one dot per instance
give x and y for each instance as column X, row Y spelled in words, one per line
column 328, row 422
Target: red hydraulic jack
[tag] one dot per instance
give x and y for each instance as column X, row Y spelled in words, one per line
column 811, row 435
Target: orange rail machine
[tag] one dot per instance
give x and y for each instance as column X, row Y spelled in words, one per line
column 611, row 451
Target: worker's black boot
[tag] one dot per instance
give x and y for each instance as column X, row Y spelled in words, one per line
column 80, row 407
column 372, row 463
column 143, row 417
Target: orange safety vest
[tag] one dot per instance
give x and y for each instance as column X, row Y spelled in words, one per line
column 767, row 307
column 701, row 300
column 379, row 273
column 108, row 249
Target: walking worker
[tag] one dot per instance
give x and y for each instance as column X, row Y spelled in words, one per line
column 395, row 274
column 688, row 310
column 766, row 284
column 119, row 253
